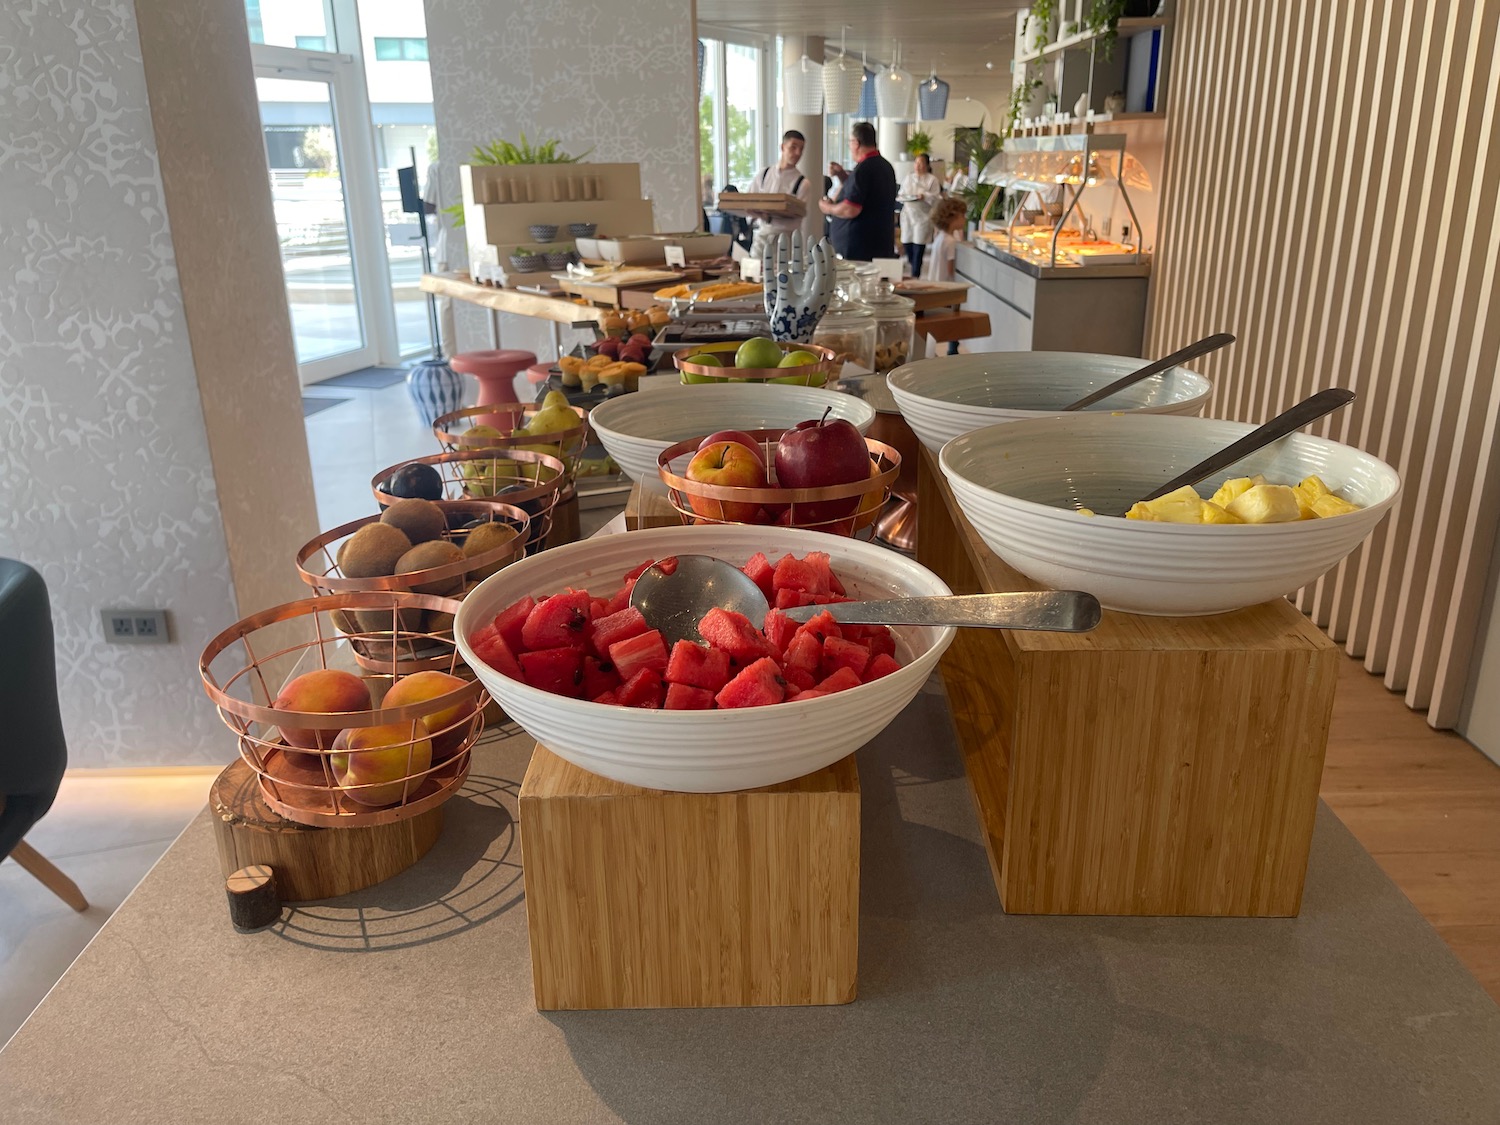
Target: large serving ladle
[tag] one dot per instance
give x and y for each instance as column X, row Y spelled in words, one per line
column 674, row 604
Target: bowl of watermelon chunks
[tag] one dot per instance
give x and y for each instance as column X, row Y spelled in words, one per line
column 555, row 641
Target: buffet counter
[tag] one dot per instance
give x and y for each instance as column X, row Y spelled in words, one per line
column 1036, row 307
column 412, row 1000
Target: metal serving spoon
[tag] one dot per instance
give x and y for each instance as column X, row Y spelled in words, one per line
column 1287, row 422
column 675, row 603
column 1180, row 356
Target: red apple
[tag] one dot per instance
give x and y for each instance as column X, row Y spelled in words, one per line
column 731, row 464
column 734, row 435
column 819, row 453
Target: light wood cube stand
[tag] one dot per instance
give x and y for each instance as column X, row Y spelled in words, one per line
column 638, row 898
column 1153, row 766
column 649, row 509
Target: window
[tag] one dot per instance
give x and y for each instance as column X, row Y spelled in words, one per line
column 312, row 42
column 252, row 18
column 304, row 24
column 406, row 48
column 733, row 109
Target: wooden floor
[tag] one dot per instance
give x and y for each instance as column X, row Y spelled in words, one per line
column 1426, row 805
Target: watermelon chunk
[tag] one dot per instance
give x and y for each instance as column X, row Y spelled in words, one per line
column 801, row 678
column 799, row 574
column 759, row 685
column 805, row 653
column 681, row 697
column 620, row 599
column 692, row 665
column 558, row 670
column 811, row 694
column 779, row 630
column 881, row 665
column 510, row 620
column 633, row 654
column 821, row 626
column 598, row 677
column 608, row 697
column 822, row 568
column 760, row 570
column 490, row 647
column 640, row 570
column 733, row 633
column 839, row 653
column 882, row 641
column 668, row 565
column 560, row 621
column 791, row 599
column 597, row 608
column 842, row 680
column 644, row 689
column 620, row 626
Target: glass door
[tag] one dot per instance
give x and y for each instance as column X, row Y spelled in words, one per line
column 328, row 214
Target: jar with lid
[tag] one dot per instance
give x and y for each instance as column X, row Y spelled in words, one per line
column 848, row 327
column 895, row 326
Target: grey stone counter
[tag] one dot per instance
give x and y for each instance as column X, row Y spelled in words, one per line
column 411, row 1002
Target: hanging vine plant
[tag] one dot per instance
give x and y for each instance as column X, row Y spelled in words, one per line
column 1042, row 12
column 1104, row 20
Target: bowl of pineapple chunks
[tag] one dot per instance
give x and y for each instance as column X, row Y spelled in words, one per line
column 1272, row 523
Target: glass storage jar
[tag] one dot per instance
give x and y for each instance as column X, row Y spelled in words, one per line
column 848, row 327
column 895, row 326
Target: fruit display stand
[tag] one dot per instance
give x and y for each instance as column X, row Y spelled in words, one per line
column 639, row 898
column 1155, row 766
column 453, row 432
column 532, row 481
column 294, row 800
column 648, row 509
column 812, row 374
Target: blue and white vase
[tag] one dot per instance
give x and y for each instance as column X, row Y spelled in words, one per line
column 435, row 388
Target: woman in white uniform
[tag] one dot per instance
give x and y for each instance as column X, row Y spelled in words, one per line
column 919, row 191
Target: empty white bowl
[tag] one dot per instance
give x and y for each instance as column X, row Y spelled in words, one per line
column 634, row 429
column 951, row 395
column 707, row 751
column 1020, row 484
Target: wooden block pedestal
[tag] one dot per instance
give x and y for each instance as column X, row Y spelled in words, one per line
column 638, row 898
column 649, row 509
column 1153, row 766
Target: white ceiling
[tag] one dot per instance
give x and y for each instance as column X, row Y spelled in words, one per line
column 961, row 36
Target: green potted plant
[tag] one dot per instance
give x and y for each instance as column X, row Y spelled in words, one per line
column 1103, row 19
column 504, row 152
column 919, row 144
column 1038, row 29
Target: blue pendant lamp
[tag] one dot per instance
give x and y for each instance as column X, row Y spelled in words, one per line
column 932, row 98
column 867, row 107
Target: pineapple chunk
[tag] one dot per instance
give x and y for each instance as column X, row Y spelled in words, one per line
column 1182, row 506
column 1230, row 489
column 1216, row 513
column 1267, row 503
column 1331, row 505
column 1314, row 486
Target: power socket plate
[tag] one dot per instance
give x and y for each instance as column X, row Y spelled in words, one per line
column 135, row 626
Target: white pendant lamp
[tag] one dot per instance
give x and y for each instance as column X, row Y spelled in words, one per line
column 896, row 92
column 802, row 87
column 932, row 97
column 843, row 81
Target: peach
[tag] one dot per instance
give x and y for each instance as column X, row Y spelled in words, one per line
column 325, row 691
column 373, row 763
column 447, row 725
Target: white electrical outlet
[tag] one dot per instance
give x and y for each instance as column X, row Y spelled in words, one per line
column 135, row 626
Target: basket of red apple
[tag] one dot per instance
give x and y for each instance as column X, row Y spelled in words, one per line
column 335, row 743
column 821, row 475
column 758, row 360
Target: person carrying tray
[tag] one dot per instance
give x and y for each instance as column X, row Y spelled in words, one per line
column 784, row 178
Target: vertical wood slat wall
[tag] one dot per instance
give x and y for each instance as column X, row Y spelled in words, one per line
column 1331, row 198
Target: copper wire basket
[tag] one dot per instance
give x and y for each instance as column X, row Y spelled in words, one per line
column 531, row 481
column 840, row 509
column 318, row 566
column 449, row 429
column 319, row 781
column 828, row 365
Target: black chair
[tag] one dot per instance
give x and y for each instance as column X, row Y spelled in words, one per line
column 33, row 753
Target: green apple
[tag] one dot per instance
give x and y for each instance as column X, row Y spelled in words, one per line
column 703, row 359
column 807, row 379
column 797, row 359
column 758, row 352
column 475, row 436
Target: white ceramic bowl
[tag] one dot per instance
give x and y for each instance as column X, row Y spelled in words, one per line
column 707, row 751
column 951, row 395
column 634, row 429
column 1019, row 484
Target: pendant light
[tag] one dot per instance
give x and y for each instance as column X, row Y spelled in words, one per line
column 932, row 97
column 802, row 87
column 867, row 107
column 843, row 81
column 896, row 91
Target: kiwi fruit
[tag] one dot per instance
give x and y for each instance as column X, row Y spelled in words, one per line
column 379, row 621
column 420, row 520
column 343, row 621
column 425, row 556
column 373, row 551
column 436, row 621
column 487, row 537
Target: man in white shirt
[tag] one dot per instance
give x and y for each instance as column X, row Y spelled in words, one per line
column 784, row 178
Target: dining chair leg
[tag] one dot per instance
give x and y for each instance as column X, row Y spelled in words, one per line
column 50, row 877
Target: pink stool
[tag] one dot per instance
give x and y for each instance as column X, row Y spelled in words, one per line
column 496, row 372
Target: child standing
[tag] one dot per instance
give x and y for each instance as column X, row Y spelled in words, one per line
column 949, row 219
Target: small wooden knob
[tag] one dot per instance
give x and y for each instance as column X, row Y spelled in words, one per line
column 253, row 901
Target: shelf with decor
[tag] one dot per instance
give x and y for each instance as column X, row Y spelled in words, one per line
column 1119, row 67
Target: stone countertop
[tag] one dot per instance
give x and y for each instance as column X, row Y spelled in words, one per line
column 411, row 1001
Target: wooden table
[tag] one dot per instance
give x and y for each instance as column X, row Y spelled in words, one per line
column 558, row 310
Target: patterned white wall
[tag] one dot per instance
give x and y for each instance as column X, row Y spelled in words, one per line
column 105, row 480
column 619, row 78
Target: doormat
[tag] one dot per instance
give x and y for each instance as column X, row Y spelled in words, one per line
column 368, row 379
column 311, row 406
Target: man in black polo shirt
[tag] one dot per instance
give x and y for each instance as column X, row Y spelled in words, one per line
column 864, row 218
